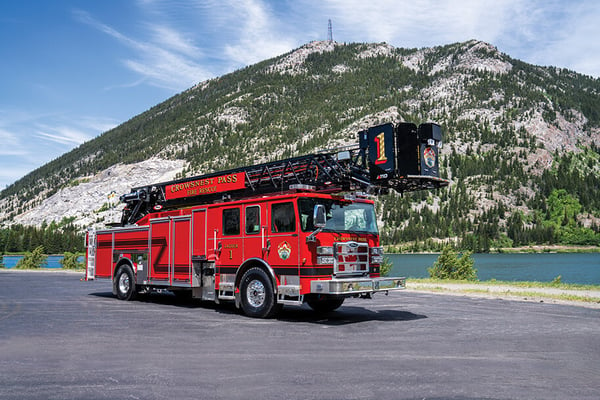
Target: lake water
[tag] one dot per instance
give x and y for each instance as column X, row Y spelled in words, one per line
column 579, row 268
column 53, row 261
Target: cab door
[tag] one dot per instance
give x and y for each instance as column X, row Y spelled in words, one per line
column 255, row 231
column 229, row 244
column 282, row 242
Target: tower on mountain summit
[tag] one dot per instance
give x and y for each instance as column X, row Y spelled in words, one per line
column 329, row 32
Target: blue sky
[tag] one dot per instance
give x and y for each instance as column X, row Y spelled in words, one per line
column 72, row 69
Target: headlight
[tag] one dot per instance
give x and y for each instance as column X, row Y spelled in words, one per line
column 377, row 251
column 325, row 255
column 376, row 255
column 324, row 251
column 376, row 259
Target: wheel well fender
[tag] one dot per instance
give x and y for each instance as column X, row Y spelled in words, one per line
column 120, row 262
column 253, row 263
column 123, row 261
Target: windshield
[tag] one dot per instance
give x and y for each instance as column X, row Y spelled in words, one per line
column 341, row 217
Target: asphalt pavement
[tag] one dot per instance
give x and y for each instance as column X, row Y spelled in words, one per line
column 64, row 338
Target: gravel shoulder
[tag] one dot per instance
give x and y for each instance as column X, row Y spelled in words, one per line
column 583, row 298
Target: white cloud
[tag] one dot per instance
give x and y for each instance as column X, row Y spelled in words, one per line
column 560, row 33
column 259, row 35
column 11, row 144
column 229, row 33
column 29, row 140
column 66, row 135
column 86, row 18
column 186, row 42
column 97, row 125
column 10, row 172
column 174, row 41
column 164, row 58
column 573, row 41
column 420, row 23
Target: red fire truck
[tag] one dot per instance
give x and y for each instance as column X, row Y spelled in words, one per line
column 287, row 232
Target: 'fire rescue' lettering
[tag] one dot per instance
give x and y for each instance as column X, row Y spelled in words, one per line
column 199, row 187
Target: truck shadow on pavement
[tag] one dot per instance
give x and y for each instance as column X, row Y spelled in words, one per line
column 346, row 315
column 165, row 298
column 342, row 316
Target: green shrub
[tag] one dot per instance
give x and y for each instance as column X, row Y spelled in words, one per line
column 450, row 265
column 556, row 281
column 33, row 260
column 70, row 261
column 385, row 267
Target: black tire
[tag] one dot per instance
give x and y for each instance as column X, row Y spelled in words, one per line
column 257, row 294
column 324, row 304
column 125, row 283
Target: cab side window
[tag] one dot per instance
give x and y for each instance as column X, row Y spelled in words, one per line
column 231, row 221
column 252, row 220
column 283, row 217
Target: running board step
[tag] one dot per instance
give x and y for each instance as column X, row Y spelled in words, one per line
column 226, row 291
column 289, row 294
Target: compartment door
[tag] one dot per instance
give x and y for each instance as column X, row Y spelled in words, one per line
column 199, row 233
column 181, row 244
column 160, row 233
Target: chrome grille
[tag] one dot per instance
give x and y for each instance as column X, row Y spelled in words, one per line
column 351, row 258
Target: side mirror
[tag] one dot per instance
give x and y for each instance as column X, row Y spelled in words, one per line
column 319, row 221
column 319, row 217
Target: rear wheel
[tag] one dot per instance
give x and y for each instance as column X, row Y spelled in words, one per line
column 325, row 304
column 257, row 295
column 125, row 283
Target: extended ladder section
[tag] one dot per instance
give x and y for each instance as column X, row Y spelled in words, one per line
column 91, row 255
column 402, row 157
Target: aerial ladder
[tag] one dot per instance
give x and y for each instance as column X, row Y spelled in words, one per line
column 403, row 157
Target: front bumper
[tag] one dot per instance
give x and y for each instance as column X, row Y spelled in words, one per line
column 350, row 286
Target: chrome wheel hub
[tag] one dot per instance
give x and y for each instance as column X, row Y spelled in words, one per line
column 124, row 283
column 255, row 293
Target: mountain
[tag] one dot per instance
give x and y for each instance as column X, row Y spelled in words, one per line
column 521, row 142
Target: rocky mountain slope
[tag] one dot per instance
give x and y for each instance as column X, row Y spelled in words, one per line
column 509, row 127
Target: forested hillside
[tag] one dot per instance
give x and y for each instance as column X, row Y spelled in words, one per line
column 521, row 142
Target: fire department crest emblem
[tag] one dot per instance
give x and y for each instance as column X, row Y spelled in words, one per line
column 429, row 157
column 284, row 250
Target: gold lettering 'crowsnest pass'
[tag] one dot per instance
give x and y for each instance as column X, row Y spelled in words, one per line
column 199, row 187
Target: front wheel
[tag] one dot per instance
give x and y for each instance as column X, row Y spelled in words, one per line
column 257, row 295
column 125, row 283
